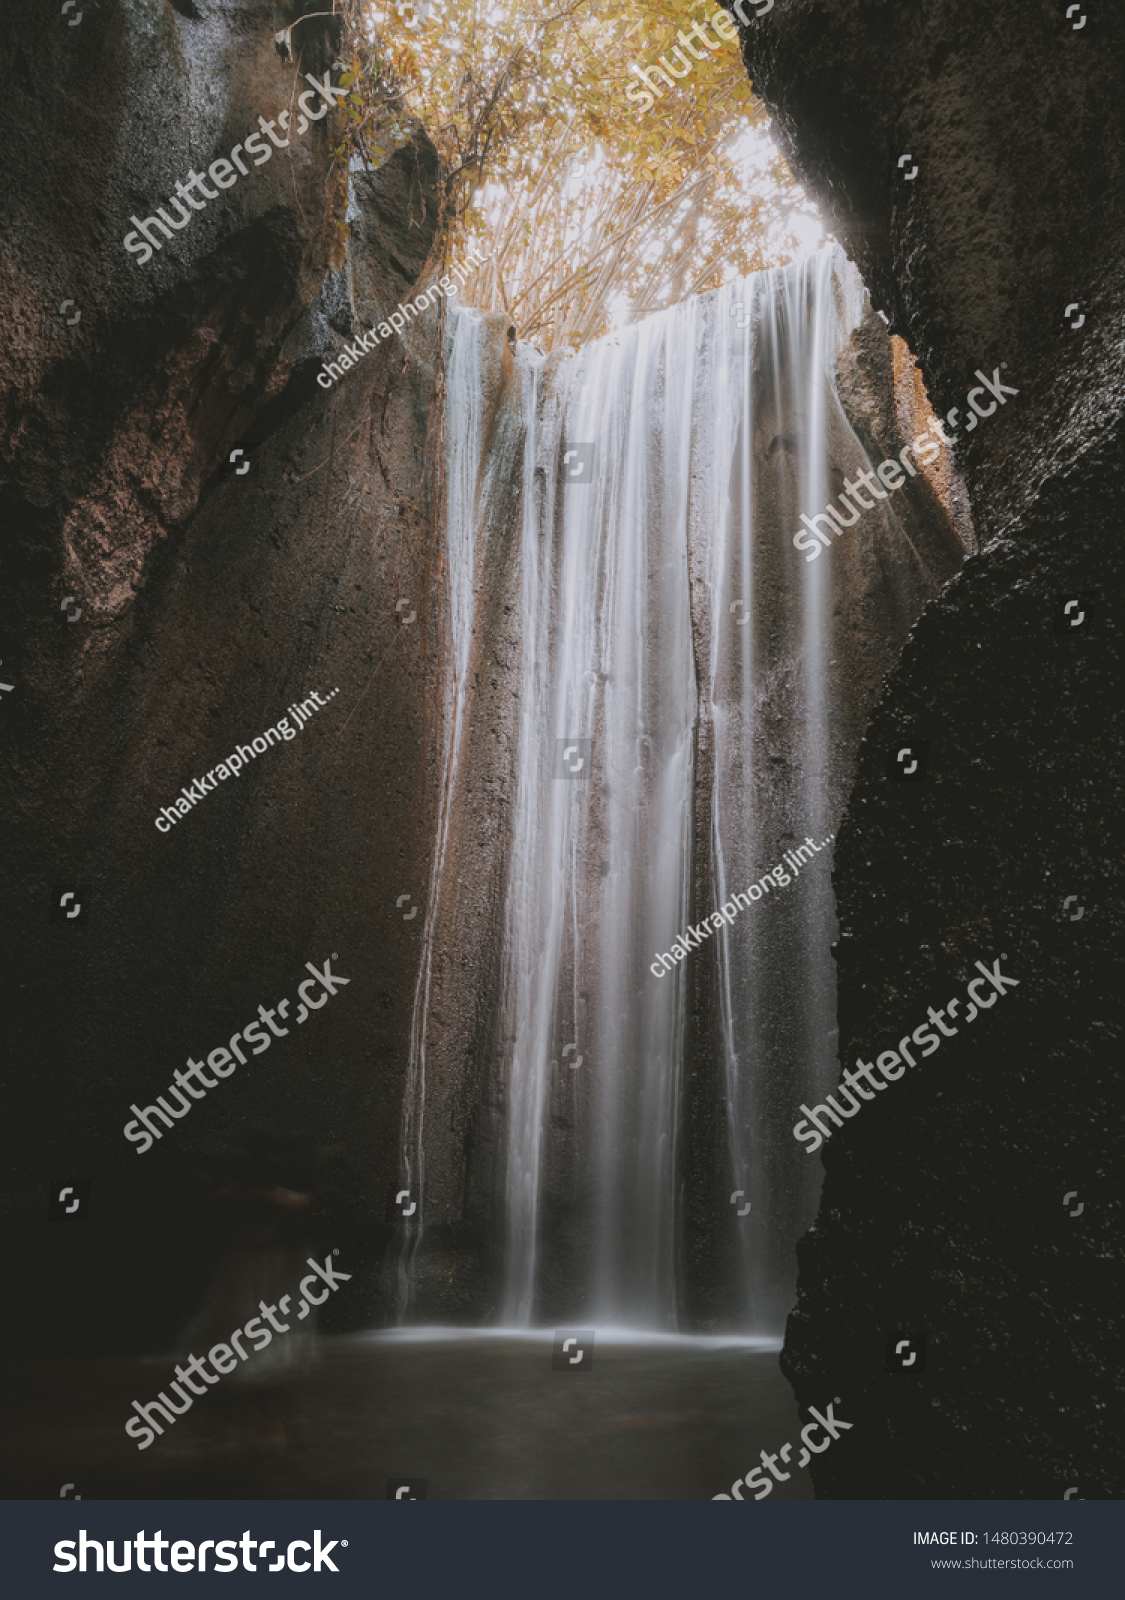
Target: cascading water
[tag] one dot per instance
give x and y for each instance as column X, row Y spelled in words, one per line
column 602, row 850
column 676, row 732
column 777, row 989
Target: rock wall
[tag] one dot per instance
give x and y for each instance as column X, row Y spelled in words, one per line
column 945, row 1208
column 214, row 593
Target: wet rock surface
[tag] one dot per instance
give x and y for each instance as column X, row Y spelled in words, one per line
column 943, row 1208
column 214, row 594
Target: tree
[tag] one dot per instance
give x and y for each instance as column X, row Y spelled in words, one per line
column 588, row 204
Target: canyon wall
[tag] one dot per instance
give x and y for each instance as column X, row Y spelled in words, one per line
column 979, row 1202
column 214, row 591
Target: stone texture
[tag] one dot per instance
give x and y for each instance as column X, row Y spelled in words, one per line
column 211, row 600
column 942, row 1208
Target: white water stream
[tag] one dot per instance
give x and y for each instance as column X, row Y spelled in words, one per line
column 708, row 426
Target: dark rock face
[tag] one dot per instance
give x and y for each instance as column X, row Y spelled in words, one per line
column 212, row 599
column 453, row 1274
column 943, row 1209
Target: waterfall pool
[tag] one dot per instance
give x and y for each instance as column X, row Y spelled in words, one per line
column 477, row 1414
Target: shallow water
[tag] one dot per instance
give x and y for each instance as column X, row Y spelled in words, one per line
column 478, row 1415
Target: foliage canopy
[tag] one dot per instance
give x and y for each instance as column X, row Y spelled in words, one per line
column 589, row 207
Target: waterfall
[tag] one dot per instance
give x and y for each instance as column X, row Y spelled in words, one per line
column 601, row 854
column 777, row 977
column 680, row 725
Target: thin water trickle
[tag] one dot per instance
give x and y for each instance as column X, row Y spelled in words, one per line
column 778, row 994
column 467, row 471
